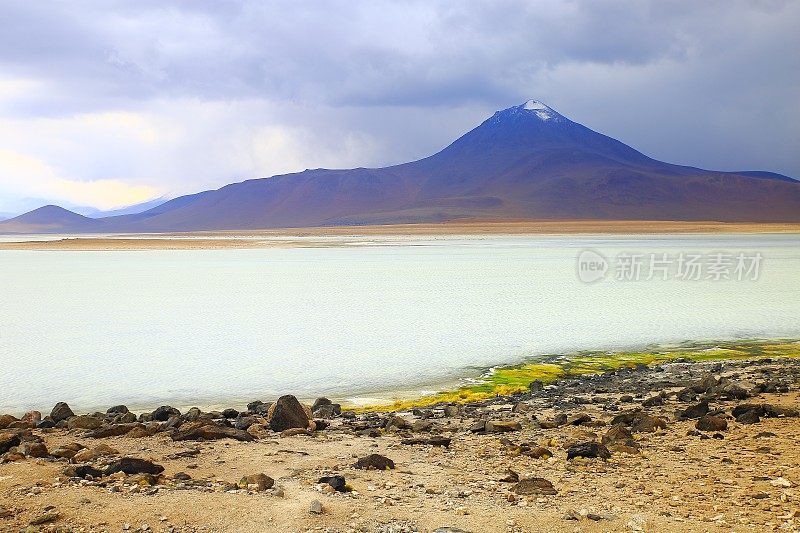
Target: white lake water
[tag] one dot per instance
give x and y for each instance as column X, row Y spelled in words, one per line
column 353, row 321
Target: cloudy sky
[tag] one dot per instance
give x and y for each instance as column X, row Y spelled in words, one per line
column 106, row 104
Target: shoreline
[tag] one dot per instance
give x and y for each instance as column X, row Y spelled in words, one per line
column 598, row 452
column 503, row 379
column 325, row 236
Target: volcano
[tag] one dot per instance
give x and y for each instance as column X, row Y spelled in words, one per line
column 524, row 162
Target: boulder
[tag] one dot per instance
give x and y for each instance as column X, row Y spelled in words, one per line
column 327, row 411
column 259, row 431
column 374, row 462
column 32, row 417
column 82, row 471
column 589, row 450
column 6, row 420
column 749, row 417
column 431, row 441
column 711, row 423
column 33, row 448
column 115, row 430
column 337, row 482
column 88, row 455
column 84, row 422
column 230, row 413
column 164, row 413
column 132, row 465
column 287, row 413
column 8, row 439
column 60, row 412
column 117, row 410
column 211, row 432
column 694, row 411
column 257, row 482
column 502, row 426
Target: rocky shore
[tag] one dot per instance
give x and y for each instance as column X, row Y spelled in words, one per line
column 681, row 446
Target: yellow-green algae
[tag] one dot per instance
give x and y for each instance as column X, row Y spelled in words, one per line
column 547, row 368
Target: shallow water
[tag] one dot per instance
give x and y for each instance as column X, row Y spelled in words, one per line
column 211, row 327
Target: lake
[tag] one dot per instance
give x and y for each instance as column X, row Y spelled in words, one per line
column 363, row 319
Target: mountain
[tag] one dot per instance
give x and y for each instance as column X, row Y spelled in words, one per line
column 524, row 162
column 49, row 219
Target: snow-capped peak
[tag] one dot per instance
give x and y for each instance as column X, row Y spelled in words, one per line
column 539, row 109
column 534, row 105
column 531, row 109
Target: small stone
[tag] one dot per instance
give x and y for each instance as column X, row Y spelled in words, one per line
column 338, row 483
column 316, row 507
column 535, row 485
column 374, row 462
column 588, row 450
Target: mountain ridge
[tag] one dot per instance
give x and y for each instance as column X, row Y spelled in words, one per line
column 524, row 162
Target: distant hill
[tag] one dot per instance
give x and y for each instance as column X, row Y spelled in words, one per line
column 49, row 219
column 524, row 162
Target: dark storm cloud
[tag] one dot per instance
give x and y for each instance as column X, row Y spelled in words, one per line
column 711, row 83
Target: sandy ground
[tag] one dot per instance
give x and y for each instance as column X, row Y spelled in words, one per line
column 278, row 237
column 745, row 481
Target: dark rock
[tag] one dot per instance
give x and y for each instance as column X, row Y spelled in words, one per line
column 579, row 420
column 694, row 411
column 117, row 410
column 511, row 477
column 243, row 422
column 422, row 425
column 626, row 398
column 374, row 462
column 535, row 485
column 191, row 415
column 320, row 424
column 653, row 401
column 432, row 441
column 398, row 422
column 132, row 465
column 502, row 426
column 711, row 423
column 210, row 432
column 319, row 402
column 337, row 482
column 30, row 448
column 706, row 383
column 8, row 439
column 230, row 413
column 84, row 422
column 181, row 476
column 47, row 422
column 164, row 413
column 115, row 430
column 60, row 412
column 258, row 407
column 6, row 420
column 287, row 413
column 749, row 417
column 589, row 450
column 82, row 471
column 536, row 386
